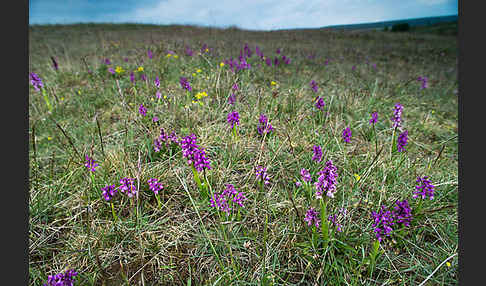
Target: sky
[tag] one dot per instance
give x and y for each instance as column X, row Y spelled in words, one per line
column 247, row 14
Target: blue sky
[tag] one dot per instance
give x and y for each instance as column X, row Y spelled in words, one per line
column 247, row 14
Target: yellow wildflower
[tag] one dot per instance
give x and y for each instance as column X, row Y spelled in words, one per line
column 176, row 56
column 357, row 177
column 168, row 55
column 200, row 95
column 273, row 83
column 448, row 264
column 49, row 138
column 119, row 69
column 221, row 64
column 140, row 69
column 206, row 50
column 193, row 74
column 198, row 70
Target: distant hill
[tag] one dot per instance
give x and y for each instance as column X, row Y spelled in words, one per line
column 415, row 22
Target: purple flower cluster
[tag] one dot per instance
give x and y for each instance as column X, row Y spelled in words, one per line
column 317, row 153
column 36, row 81
column 204, row 48
column 383, row 222
column 90, row 163
column 128, row 187
column 154, row 185
column 320, row 103
column 143, row 77
column 424, row 189
column 263, row 125
column 132, row 77
column 374, row 117
column 233, row 118
column 402, row 213
column 336, row 218
column 111, row 70
column 397, row 115
column 109, row 191
column 185, row 83
column 258, row 52
column 268, row 60
column 286, row 60
column 149, row 54
column 61, row 279
column 195, row 155
column 312, row 217
column 347, row 135
column 189, row 52
column 237, row 65
column 157, row 82
column 306, row 176
column 326, row 182
column 424, row 82
column 247, row 51
column 222, row 200
column 142, row 110
column 261, row 175
column 232, row 99
column 313, row 85
column 402, row 141
column 164, row 137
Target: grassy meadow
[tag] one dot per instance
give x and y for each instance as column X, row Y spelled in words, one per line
column 91, row 108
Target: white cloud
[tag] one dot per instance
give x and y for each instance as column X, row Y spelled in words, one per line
column 254, row 14
column 248, row 14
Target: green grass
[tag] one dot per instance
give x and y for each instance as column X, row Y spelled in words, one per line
column 71, row 226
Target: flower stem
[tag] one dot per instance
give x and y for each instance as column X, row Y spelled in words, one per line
column 159, row 203
column 373, row 254
column 376, row 139
column 235, row 134
column 324, row 223
column 115, row 217
column 196, row 178
column 392, row 141
column 46, row 99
